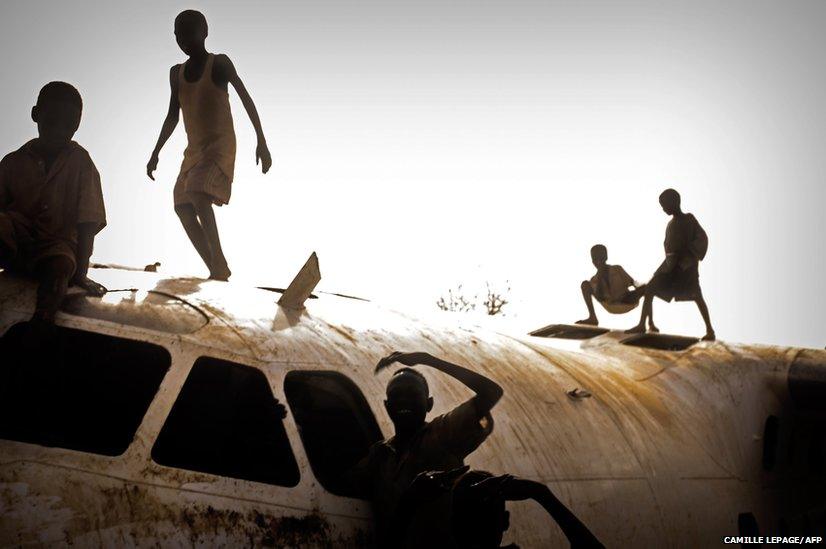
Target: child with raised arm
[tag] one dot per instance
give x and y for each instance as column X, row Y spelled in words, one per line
column 419, row 445
column 199, row 89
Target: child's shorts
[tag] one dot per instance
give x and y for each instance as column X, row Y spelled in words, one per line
column 205, row 177
column 23, row 246
column 627, row 303
column 678, row 284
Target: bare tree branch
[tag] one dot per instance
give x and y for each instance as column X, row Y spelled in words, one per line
column 495, row 299
column 456, row 301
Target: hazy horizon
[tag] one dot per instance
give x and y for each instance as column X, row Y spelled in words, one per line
column 419, row 145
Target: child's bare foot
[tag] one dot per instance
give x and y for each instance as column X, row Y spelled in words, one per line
column 590, row 321
column 220, row 273
column 638, row 329
column 652, row 328
column 710, row 336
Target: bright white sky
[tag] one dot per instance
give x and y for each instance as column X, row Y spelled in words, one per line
column 418, row 145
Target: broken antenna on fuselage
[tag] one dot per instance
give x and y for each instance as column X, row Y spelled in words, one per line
column 302, row 285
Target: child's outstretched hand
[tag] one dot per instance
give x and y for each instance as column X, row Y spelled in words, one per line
column 408, row 359
column 262, row 154
column 151, row 166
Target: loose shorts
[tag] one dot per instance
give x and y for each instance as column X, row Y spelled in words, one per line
column 23, row 245
column 205, row 177
column 626, row 303
column 678, row 284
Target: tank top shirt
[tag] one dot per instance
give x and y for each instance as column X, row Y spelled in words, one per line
column 208, row 122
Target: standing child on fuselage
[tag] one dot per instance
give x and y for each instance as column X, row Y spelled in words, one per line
column 199, row 89
column 678, row 277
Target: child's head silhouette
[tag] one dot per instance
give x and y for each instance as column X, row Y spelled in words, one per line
column 57, row 114
column 670, row 201
column 599, row 255
column 191, row 30
column 408, row 399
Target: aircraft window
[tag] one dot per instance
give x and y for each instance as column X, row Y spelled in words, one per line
column 569, row 331
column 335, row 422
column 227, row 422
column 662, row 342
column 74, row 389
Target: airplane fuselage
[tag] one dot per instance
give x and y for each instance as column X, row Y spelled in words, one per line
column 657, row 448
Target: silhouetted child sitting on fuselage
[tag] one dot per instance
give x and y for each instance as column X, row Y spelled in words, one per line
column 614, row 288
column 51, row 204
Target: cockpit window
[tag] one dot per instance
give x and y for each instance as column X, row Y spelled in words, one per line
column 227, row 422
column 335, row 422
column 74, row 389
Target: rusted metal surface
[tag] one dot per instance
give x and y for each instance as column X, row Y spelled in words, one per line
column 666, row 452
column 143, row 309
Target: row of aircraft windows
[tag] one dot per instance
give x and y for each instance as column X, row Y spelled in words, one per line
column 89, row 392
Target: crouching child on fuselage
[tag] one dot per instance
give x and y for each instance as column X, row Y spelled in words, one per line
column 614, row 288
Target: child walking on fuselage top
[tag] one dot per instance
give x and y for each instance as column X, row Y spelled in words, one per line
column 200, row 90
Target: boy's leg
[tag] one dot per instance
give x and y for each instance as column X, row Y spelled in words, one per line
column 587, row 295
column 218, row 268
column 186, row 213
column 53, row 274
column 636, row 294
column 647, row 311
column 651, row 326
column 701, row 304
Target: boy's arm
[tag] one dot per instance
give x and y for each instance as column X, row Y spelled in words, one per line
column 169, row 123
column 488, row 392
column 262, row 153
column 512, row 488
column 85, row 242
column 577, row 533
column 627, row 279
